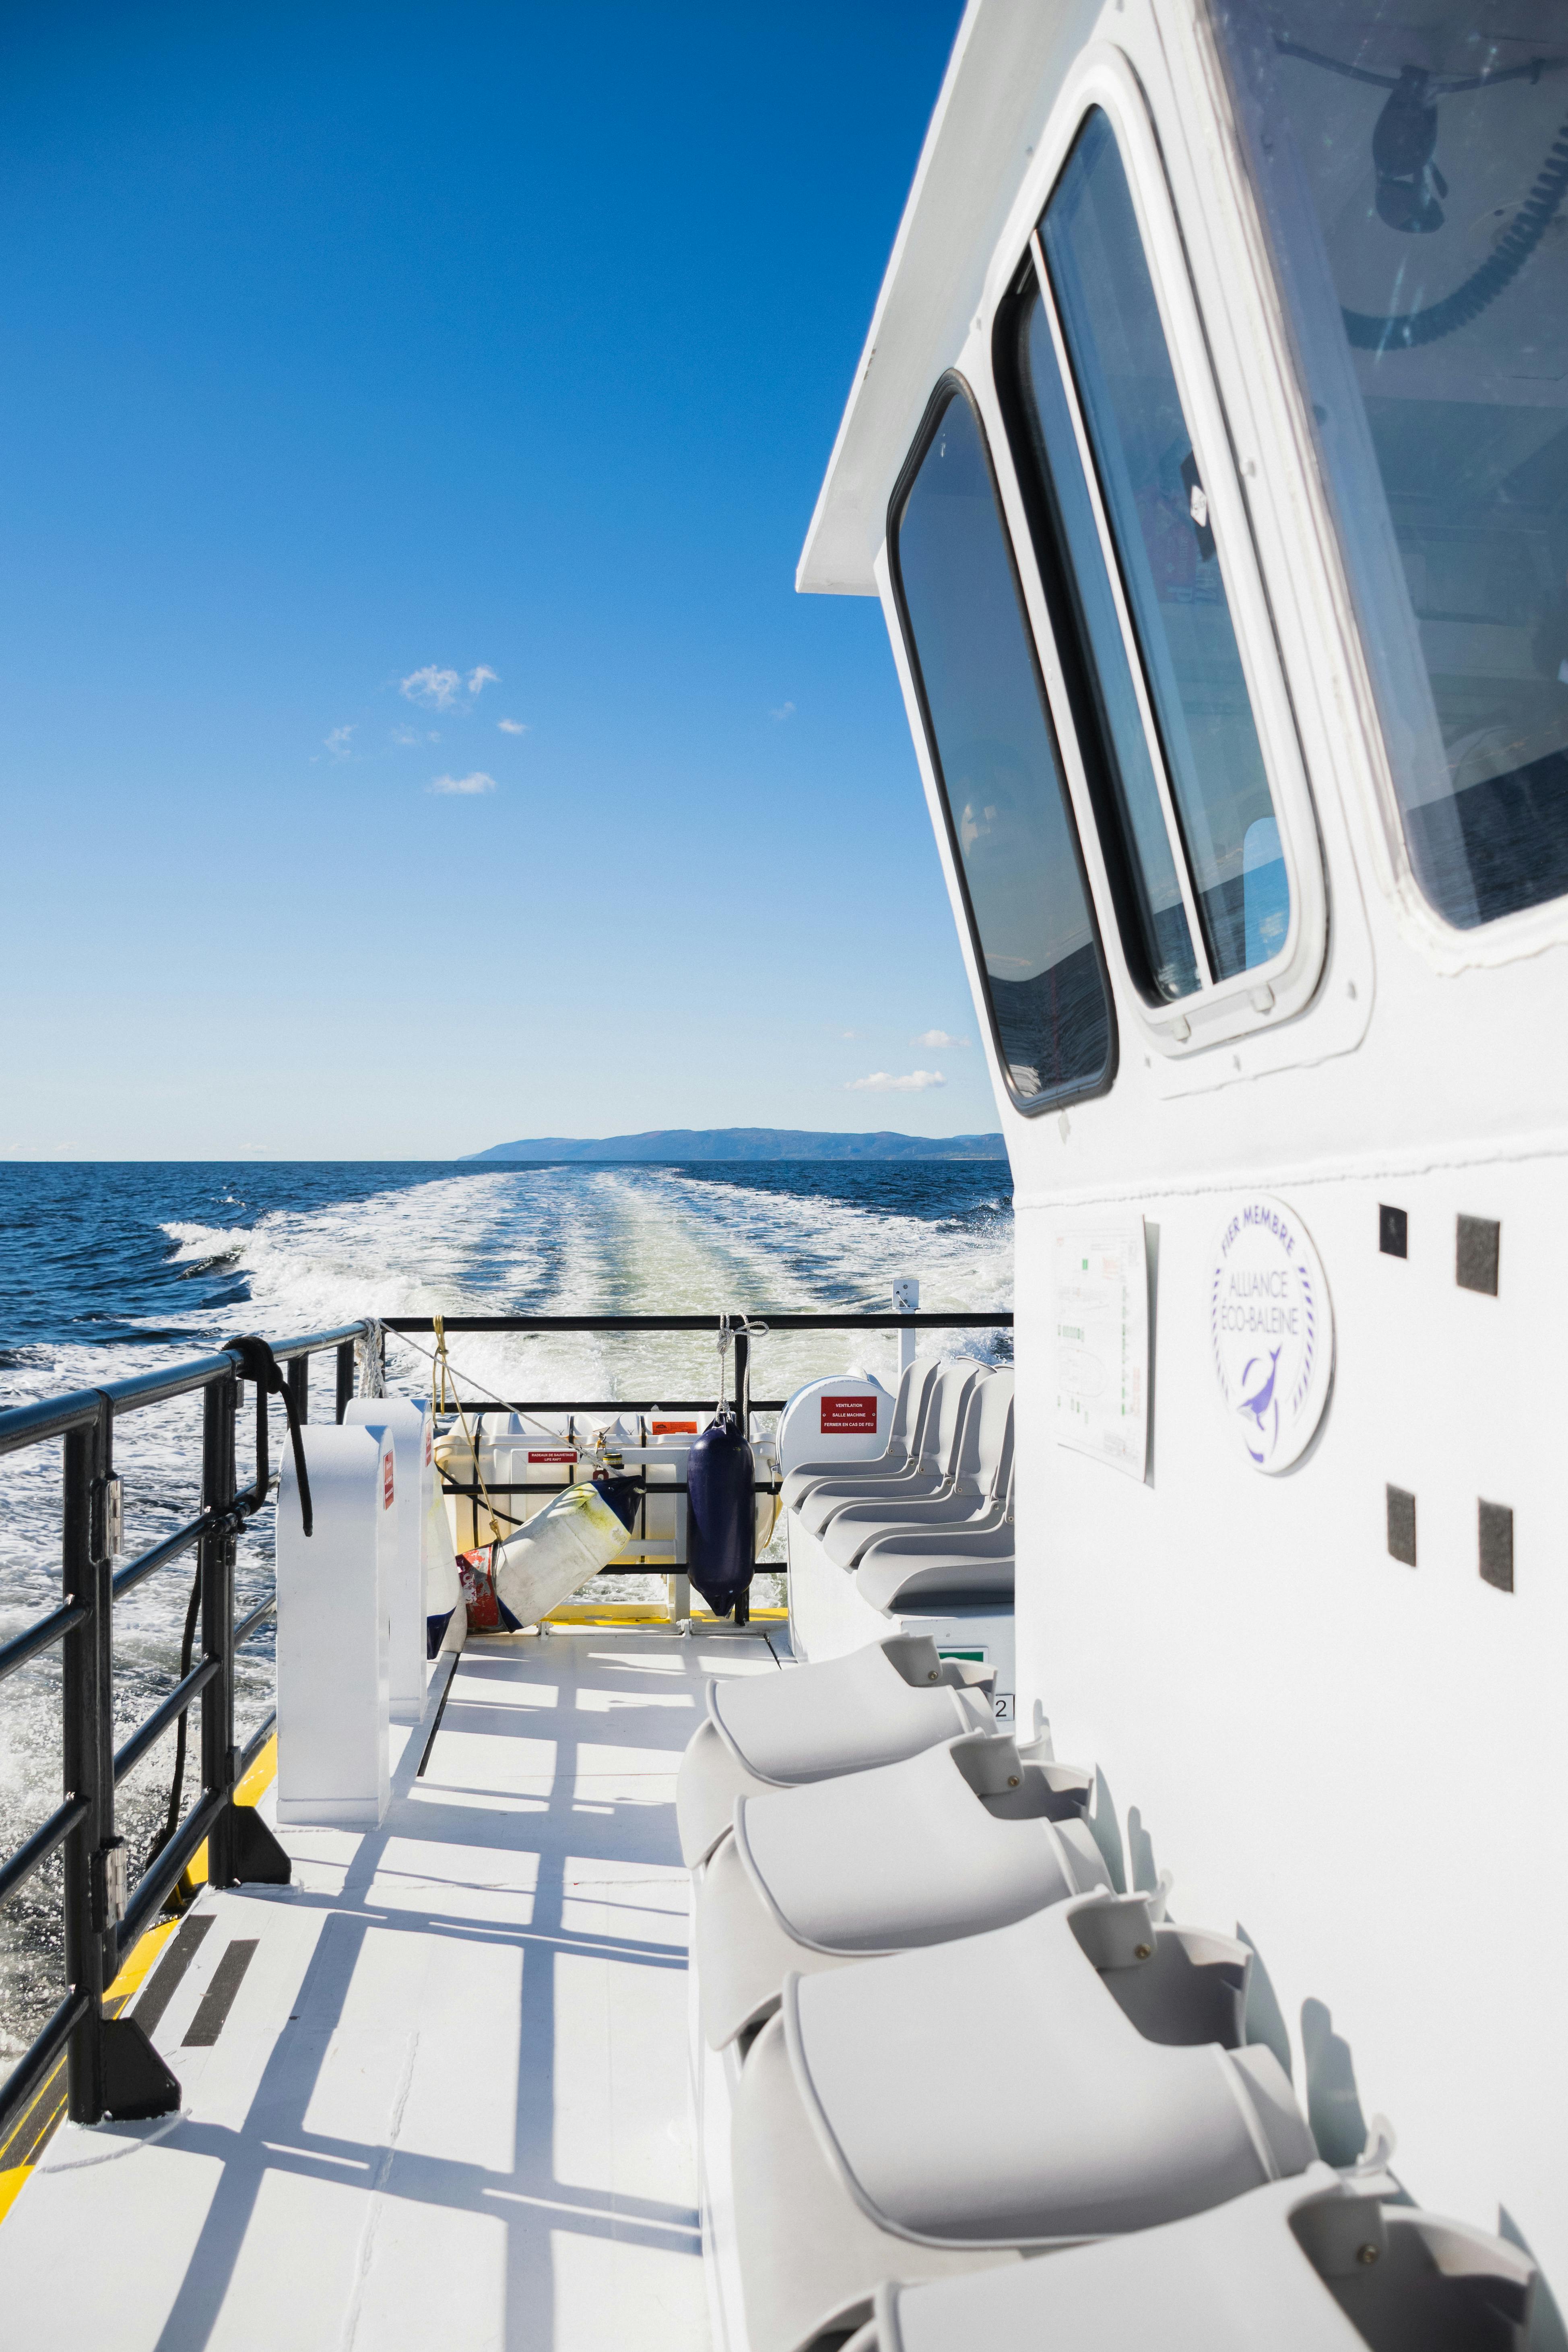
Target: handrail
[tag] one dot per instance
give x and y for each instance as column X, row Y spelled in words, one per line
column 30, row 1425
column 104, row 2075
column 851, row 1319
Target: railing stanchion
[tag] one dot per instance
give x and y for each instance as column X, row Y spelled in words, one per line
column 84, row 1704
column 345, row 1377
column 298, row 1378
column 743, row 1382
column 216, row 1571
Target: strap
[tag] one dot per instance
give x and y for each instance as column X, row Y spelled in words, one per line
column 259, row 1363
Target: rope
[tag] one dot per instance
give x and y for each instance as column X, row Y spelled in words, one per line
column 372, row 1355
column 726, row 1341
column 441, row 1374
column 442, row 1406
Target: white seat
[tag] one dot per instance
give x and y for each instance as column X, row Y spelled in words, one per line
column 1287, row 2267
column 920, row 1568
column 848, row 1715
column 974, row 1496
column 964, row 1838
column 937, row 1456
column 1075, row 2075
column 899, row 1455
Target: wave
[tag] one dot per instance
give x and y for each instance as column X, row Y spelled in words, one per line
column 155, row 1279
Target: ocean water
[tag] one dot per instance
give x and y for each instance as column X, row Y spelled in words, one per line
column 108, row 1270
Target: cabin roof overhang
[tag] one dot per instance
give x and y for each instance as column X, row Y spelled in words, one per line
column 1008, row 62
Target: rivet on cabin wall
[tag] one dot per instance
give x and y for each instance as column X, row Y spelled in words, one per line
column 1495, row 1532
column 1400, row 1521
column 1477, row 1247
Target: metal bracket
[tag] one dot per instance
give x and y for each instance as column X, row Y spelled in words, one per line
column 137, row 2086
column 257, row 1857
column 111, row 1884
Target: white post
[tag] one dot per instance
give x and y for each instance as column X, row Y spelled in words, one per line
column 332, row 1630
column 408, row 1426
column 906, row 1301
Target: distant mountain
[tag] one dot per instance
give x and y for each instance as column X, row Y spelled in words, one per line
column 749, row 1143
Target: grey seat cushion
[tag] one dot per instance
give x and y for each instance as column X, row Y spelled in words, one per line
column 1101, row 2090
column 1284, row 2267
column 962, row 1838
column 811, row 2257
column 891, row 1578
column 810, row 1723
column 853, row 1530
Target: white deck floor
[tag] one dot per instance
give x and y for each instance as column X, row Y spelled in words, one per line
column 449, row 2105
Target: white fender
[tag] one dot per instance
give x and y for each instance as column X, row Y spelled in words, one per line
column 563, row 1546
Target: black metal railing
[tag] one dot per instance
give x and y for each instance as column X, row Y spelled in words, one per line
column 739, row 1386
column 111, row 2068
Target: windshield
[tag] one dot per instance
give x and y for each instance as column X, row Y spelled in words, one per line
column 1413, row 163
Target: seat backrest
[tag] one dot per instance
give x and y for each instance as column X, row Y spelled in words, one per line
column 944, row 1420
column 908, row 1404
column 986, row 1447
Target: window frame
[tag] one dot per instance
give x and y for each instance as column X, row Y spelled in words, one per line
column 949, row 385
column 1265, row 996
column 1447, row 947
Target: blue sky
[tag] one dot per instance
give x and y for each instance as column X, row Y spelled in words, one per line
column 376, row 376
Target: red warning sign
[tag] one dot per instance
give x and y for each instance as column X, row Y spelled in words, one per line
column 386, row 1483
column 848, row 1416
column 564, row 1455
column 673, row 1428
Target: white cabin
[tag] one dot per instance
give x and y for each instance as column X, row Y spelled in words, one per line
column 1208, row 452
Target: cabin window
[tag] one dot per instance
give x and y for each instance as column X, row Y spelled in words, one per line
column 996, row 764
column 1413, row 168
column 1215, row 813
column 1156, row 931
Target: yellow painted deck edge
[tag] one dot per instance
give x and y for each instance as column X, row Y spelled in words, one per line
column 631, row 1612
column 148, row 1947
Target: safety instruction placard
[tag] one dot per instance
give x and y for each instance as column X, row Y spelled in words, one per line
column 1101, row 1320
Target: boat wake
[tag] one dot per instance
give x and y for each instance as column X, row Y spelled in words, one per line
column 137, row 1268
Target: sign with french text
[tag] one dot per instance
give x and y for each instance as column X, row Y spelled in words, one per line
column 848, row 1416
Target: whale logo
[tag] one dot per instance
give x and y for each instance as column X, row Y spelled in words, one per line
column 1270, row 1331
column 1262, row 1406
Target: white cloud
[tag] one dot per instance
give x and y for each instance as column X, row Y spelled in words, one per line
column 438, row 687
column 482, row 678
column 412, row 737
column 512, row 725
column 937, row 1039
column 784, row 710
column 882, row 1082
column 337, row 742
column 478, row 782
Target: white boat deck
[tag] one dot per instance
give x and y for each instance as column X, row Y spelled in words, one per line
column 448, row 2104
